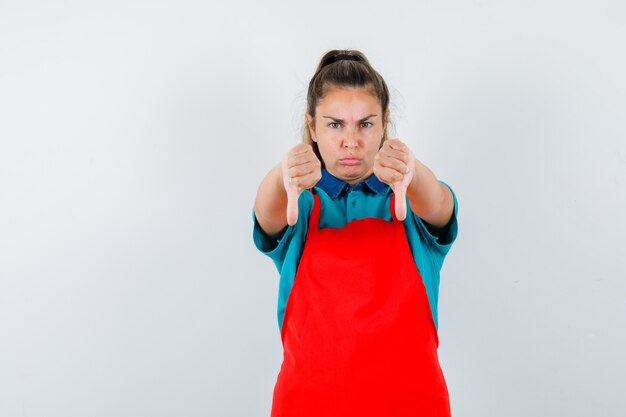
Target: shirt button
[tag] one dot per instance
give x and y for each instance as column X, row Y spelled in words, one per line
column 353, row 203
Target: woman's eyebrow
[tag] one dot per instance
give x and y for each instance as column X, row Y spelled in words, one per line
column 341, row 120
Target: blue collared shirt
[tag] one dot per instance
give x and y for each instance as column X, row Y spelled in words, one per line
column 335, row 187
column 342, row 203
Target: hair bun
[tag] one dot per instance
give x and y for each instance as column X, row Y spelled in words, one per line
column 340, row 57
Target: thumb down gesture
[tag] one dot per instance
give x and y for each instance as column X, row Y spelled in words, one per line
column 301, row 170
column 394, row 165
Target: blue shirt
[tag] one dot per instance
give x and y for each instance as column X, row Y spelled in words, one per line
column 342, row 203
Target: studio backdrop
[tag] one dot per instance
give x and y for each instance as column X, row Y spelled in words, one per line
column 134, row 135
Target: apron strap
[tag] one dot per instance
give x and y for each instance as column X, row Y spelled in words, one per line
column 392, row 207
column 314, row 220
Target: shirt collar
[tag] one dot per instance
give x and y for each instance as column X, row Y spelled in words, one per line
column 334, row 187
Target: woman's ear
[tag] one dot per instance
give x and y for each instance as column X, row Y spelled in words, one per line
column 386, row 119
column 310, row 122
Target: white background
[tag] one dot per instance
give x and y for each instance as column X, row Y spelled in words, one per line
column 133, row 136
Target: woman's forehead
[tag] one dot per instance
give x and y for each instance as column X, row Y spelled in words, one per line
column 349, row 100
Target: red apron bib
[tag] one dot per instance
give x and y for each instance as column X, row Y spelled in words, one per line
column 358, row 335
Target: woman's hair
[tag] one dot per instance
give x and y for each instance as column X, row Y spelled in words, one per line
column 344, row 68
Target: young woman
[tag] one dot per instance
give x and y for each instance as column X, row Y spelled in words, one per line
column 358, row 229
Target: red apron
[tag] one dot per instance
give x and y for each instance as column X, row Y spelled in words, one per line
column 358, row 335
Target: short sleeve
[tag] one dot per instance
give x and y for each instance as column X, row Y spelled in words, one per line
column 442, row 240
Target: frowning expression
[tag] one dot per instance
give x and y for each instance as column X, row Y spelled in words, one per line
column 348, row 128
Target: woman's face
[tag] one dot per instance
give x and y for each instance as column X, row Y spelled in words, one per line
column 348, row 128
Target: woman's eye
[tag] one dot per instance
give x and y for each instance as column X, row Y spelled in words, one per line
column 334, row 125
column 366, row 124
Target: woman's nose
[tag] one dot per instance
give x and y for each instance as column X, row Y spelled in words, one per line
column 350, row 141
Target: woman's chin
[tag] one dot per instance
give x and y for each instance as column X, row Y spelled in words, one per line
column 352, row 173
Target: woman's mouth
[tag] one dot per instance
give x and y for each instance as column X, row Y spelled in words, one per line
column 350, row 161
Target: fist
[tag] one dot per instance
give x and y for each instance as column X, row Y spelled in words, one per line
column 394, row 164
column 301, row 170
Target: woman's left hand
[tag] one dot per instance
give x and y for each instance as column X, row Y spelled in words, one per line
column 394, row 164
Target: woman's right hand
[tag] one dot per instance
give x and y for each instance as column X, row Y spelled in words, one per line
column 301, row 170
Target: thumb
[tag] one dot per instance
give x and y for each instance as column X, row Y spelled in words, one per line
column 293, row 193
column 399, row 189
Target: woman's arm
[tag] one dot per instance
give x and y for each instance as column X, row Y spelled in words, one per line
column 270, row 205
column 276, row 204
column 429, row 199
